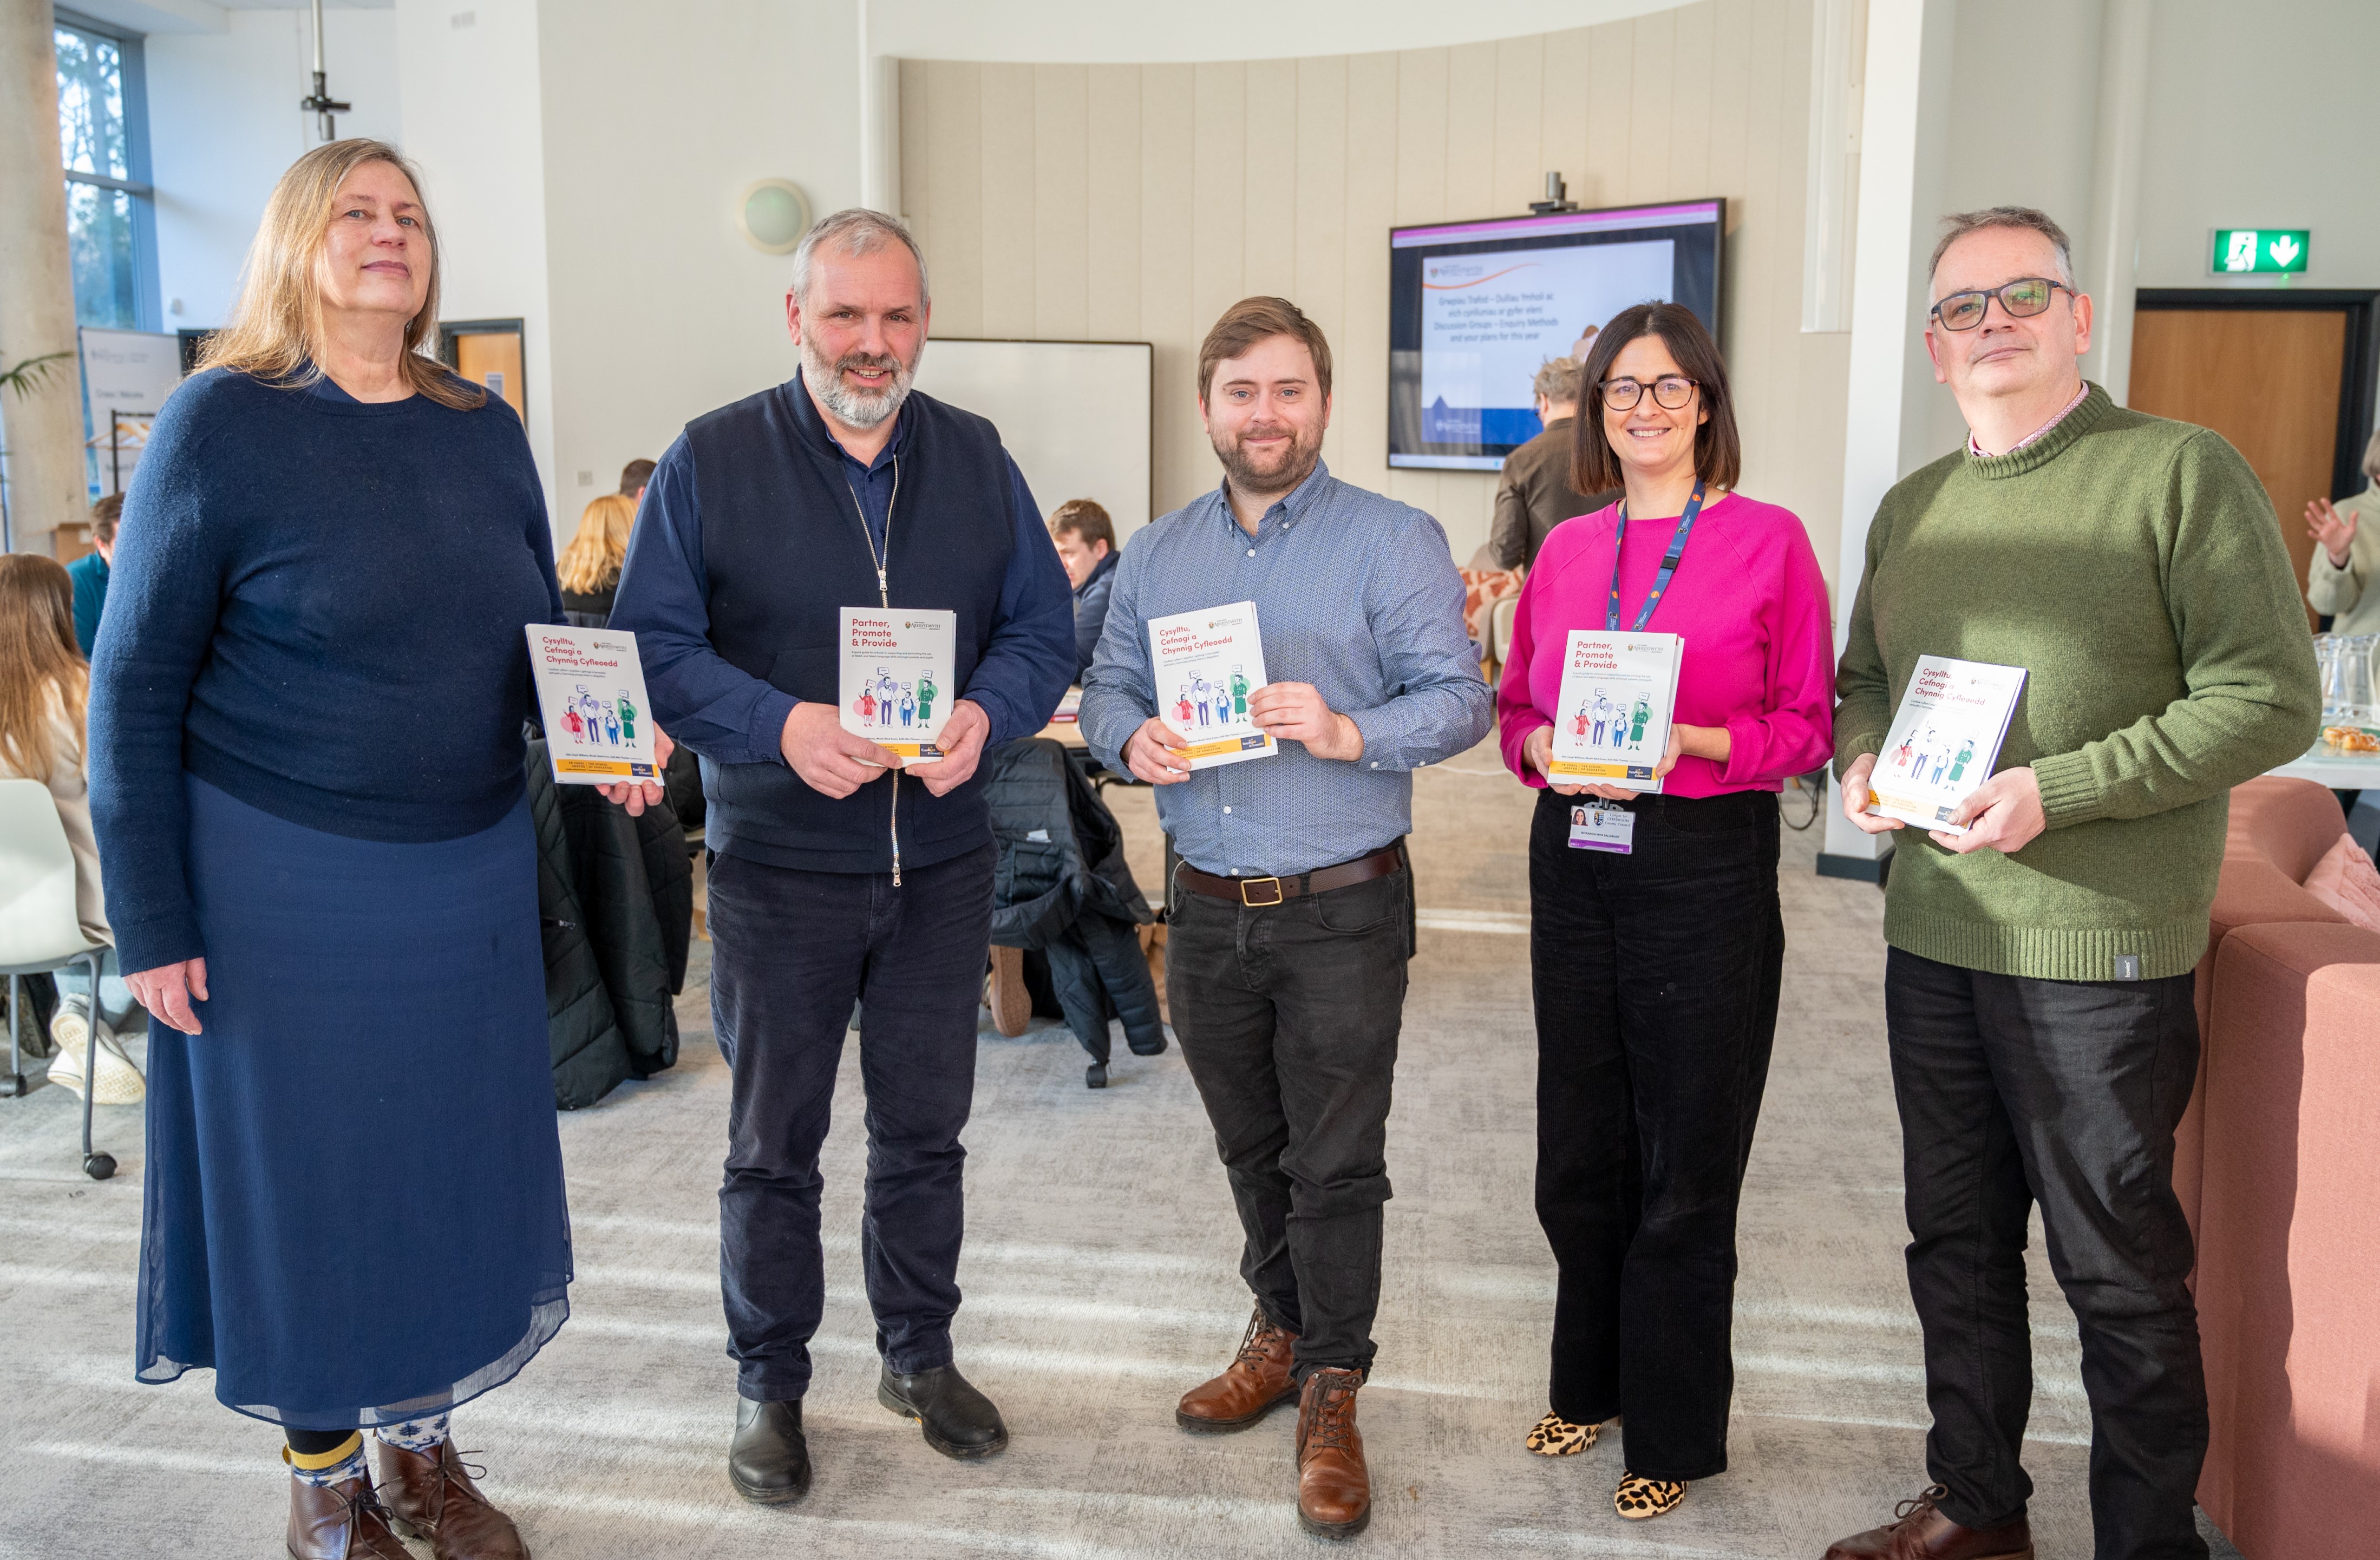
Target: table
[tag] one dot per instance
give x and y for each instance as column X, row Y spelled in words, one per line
column 2341, row 771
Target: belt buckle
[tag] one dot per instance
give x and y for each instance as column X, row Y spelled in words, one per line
column 1259, row 904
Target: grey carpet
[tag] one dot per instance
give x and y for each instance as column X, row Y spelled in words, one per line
column 1099, row 1279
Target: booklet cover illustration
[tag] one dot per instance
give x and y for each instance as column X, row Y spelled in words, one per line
column 591, row 687
column 896, row 677
column 1618, row 690
column 1944, row 740
column 1206, row 664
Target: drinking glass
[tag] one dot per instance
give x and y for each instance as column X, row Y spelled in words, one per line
column 2355, row 678
column 2325, row 660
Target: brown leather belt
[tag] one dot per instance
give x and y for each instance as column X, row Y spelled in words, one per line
column 1258, row 892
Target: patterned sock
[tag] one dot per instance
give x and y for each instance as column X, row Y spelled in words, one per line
column 419, row 1436
column 336, row 1465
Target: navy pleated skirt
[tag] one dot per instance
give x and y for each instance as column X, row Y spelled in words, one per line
column 354, row 1206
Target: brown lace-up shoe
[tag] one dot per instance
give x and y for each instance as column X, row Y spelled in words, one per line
column 1919, row 1531
column 1256, row 1383
column 339, row 1523
column 1334, row 1489
column 432, row 1497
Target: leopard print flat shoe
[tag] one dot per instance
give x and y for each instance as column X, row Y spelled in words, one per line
column 1555, row 1436
column 1639, row 1498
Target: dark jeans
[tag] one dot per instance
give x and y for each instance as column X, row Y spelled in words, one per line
column 1656, row 976
column 1288, row 1016
column 2064, row 1092
column 792, row 952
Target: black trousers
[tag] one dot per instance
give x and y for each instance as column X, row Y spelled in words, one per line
column 1288, row 1016
column 1656, row 976
column 2065, row 1092
column 792, row 952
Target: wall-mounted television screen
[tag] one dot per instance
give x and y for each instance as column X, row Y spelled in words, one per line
column 1476, row 307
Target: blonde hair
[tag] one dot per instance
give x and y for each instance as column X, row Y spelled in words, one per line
column 278, row 324
column 592, row 562
column 40, row 666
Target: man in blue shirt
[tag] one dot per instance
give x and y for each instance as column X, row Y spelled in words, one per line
column 90, row 571
column 1292, row 911
column 835, row 876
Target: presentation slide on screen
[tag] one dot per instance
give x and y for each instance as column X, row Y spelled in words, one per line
column 1489, row 321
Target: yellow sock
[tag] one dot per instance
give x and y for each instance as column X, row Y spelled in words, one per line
column 336, row 1465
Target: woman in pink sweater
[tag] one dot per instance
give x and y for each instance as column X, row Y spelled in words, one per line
column 1656, row 939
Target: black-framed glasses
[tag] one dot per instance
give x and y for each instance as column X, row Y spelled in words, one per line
column 2022, row 299
column 1671, row 391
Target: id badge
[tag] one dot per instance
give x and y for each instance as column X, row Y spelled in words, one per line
column 1602, row 825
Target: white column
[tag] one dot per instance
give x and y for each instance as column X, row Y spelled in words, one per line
column 1903, row 126
column 2110, row 266
column 42, row 429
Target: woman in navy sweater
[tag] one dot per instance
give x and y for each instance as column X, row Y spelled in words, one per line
column 307, row 778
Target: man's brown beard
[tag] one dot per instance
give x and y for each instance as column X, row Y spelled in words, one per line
column 1296, row 468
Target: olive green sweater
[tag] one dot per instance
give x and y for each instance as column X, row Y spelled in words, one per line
column 2132, row 566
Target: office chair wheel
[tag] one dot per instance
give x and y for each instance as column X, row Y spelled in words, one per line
column 12, row 1086
column 1096, row 1075
column 99, row 1167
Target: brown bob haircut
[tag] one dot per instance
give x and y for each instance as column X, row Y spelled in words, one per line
column 1719, row 453
column 1251, row 320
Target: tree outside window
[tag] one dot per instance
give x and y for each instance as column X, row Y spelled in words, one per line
column 104, row 141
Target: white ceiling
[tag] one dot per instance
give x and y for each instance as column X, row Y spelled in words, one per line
column 198, row 16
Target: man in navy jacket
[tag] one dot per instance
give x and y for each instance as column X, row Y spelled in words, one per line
column 835, row 876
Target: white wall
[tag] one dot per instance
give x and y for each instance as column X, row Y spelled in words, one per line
column 224, row 122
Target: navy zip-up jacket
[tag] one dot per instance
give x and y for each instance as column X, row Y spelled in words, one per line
column 757, row 529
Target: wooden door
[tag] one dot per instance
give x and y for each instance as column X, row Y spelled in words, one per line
column 2266, row 378
column 492, row 358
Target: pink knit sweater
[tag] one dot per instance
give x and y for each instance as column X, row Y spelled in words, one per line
column 1752, row 606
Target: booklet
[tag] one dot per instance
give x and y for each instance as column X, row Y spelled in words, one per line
column 592, row 688
column 1206, row 663
column 1612, row 725
column 896, row 677
column 1944, row 740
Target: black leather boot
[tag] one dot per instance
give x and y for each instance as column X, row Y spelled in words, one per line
column 959, row 1421
column 769, row 1461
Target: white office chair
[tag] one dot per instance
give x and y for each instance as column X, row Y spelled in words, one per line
column 40, row 932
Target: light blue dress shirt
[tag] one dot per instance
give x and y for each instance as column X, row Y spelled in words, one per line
column 1356, row 594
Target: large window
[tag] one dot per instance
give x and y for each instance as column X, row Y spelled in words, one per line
column 104, row 137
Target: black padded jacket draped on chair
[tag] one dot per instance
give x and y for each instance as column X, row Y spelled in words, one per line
column 615, row 896
column 1061, row 887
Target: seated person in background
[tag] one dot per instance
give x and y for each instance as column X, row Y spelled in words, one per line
column 590, row 566
column 43, row 686
column 633, row 477
column 1534, row 494
column 2339, row 575
column 1085, row 539
column 89, row 572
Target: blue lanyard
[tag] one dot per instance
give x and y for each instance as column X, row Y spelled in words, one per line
column 1669, row 560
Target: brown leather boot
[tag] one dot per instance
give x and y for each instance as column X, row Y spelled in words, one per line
column 432, row 1497
column 1334, row 1489
column 1252, row 1387
column 339, row 1523
column 1919, row 1531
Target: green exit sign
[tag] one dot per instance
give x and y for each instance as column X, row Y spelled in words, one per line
column 2239, row 250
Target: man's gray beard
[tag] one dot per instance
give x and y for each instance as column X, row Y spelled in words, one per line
column 1245, row 479
column 853, row 407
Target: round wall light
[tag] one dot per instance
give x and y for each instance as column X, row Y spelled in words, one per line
column 773, row 214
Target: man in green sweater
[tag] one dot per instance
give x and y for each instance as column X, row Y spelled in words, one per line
column 2037, row 989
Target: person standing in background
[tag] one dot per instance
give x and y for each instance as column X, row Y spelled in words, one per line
column 2345, row 555
column 835, row 877
column 1656, row 969
column 590, row 566
column 634, row 478
column 45, row 688
column 354, row 1212
column 89, row 572
column 1287, row 943
column 1534, row 493
column 1086, row 541
column 2039, row 1006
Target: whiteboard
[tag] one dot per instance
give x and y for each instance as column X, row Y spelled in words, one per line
column 1074, row 414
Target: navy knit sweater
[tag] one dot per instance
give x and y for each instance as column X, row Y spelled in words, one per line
column 317, row 607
